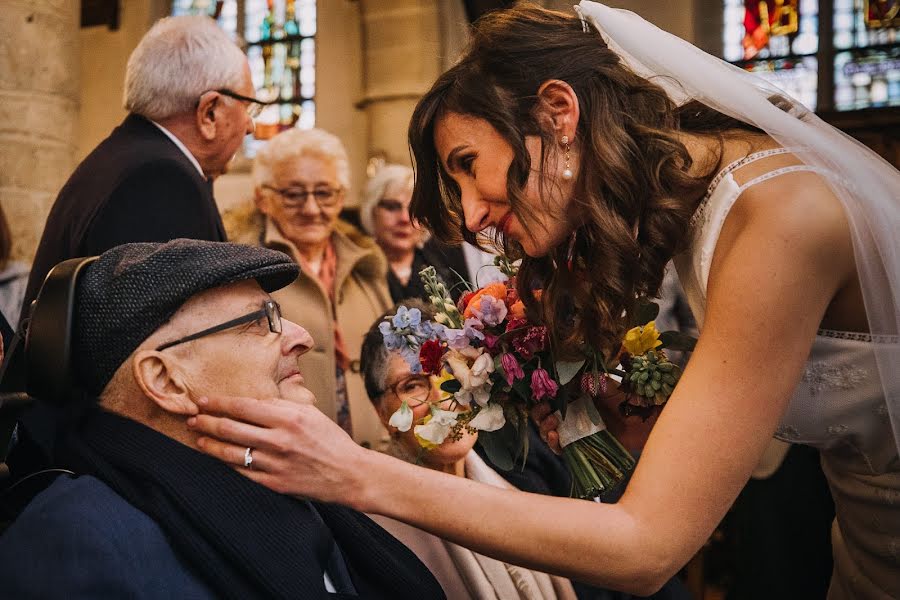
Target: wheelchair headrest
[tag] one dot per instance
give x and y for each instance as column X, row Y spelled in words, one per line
column 48, row 336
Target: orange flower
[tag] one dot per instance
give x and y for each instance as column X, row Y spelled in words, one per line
column 517, row 310
column 497, row 290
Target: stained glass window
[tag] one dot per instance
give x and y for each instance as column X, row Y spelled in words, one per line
column 777, row 40
column 279, row 37
column 867, row 57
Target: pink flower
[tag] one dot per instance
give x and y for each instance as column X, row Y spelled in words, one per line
column 491, row 342
column 542, row 386
column 511, row 368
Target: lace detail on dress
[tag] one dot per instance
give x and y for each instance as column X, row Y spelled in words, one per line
column 858, row 336
column 701, row 208
column 787, row 433
column 776, row 172
column 820, row 377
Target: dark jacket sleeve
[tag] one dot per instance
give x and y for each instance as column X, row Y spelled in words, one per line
column 157, row 202
column 78, row 540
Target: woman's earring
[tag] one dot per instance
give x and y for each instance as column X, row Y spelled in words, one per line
column 567, row 172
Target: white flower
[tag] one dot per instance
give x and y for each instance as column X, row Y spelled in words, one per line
column 402, row 418
column 482, row 368
column 474, row 376
column 438, row 427
column 489, row 418
column 481, row 395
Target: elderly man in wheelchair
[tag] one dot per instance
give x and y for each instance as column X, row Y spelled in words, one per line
column 123, row 346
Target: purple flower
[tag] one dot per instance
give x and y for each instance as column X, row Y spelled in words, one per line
column 542, row 386
column 511, row 368
column 491, row 312
column 457, row 339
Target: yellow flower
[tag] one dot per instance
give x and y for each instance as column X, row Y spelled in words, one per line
column 426, row 444
column 438, row 380
column 639, row 339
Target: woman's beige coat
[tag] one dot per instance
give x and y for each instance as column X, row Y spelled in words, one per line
column 361, row 295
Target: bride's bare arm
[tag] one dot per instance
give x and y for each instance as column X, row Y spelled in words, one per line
column 773, row 276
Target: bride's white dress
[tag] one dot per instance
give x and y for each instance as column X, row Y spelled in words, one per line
column 838, row 407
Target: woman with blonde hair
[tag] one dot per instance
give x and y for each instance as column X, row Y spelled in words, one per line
column 384, row 214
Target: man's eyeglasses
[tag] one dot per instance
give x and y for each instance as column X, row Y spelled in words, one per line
column 295, row 197
column 270, row 310
column 415, row 389
column 254, row 106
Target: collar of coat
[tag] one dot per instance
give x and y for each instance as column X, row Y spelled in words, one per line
column 356, row 252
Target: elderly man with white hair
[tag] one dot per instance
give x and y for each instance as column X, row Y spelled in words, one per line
column 189, row 96
column 190, row 100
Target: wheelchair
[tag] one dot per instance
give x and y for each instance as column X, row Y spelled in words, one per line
column 36, row 371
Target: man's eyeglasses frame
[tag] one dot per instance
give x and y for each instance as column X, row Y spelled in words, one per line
column 270, row 310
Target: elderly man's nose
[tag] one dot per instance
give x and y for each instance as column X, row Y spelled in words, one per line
column 295, row 338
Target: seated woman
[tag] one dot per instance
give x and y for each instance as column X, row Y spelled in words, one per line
column 301, row 179
column 384, row 214
column 462, row 573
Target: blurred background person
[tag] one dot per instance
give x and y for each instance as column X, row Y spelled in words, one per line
column 462, row 573
column 384, row 214
column 13, row 276
column 300, row 179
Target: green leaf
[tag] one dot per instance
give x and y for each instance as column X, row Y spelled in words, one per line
column 593, row 413
column 500, row 446
column 567, row 370
column 561, row 401
column 645, row 311
column 451, row 386
column 675, row 340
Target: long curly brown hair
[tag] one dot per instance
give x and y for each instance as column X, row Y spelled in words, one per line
column 633, row 187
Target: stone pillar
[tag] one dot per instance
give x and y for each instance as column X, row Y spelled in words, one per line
column 401, row 49
column 39, row 91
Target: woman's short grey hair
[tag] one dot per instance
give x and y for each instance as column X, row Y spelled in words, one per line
column 178, row 60
column 294, row 143
column 388, row 177
column 375, row 358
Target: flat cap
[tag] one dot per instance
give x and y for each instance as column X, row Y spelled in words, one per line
column 134, row 289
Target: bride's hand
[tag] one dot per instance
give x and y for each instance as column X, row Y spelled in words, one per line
column 296, row 449
column 631, row 431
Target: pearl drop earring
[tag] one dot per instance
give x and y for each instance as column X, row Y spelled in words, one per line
column 567, row 172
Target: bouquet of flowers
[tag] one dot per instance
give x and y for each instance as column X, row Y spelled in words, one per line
column 492, row 365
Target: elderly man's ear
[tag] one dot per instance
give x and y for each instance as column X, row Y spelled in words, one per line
column 206, row 115
column 162, row 382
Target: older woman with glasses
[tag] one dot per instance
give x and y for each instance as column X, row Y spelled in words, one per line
column 301, row 179
column 463, row 574
column 384, row 214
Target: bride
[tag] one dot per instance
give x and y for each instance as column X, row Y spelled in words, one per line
column 600, row 147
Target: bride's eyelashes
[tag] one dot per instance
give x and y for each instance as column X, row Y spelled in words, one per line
column 466, row 163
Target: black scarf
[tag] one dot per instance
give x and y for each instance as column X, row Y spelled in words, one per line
column 244, row 540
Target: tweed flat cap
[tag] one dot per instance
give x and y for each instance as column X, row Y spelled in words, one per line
column 134, row 289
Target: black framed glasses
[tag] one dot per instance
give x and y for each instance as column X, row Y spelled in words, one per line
column 295, row 197
column 254, row 106
column 270, row 310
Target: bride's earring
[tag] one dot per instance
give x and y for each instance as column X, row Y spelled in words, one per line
column 567, row 172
